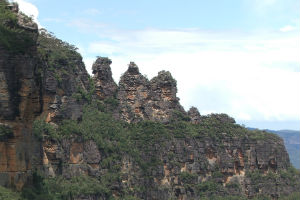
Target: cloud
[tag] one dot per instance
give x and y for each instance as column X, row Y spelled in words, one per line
column 29, row 9
column 287, row 28
column 247, row 75
column 91, row 11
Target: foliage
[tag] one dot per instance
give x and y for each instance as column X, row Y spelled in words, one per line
column 187, row 178
column 57, row 53
column 82, row 95
column 41, row 128
column 217, row 174
column 62, row 188
column 12, row 37
column 59, row 58
column 208, row 188
column 5, row 132
column 293, row 196
column 228, row 197
column 6, row 194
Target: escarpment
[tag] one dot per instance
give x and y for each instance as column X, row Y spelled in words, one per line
column 66, row 135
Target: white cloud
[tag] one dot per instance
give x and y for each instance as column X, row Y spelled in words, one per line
column 88, row 63
column 103, row 48
column 247, row 75
column 287, row 28
column 91, row 11
column 28, row 9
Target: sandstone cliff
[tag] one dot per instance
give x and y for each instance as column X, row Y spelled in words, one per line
column 67, row 135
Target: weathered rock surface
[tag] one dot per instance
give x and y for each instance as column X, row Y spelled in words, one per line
column 29, row 89
column 141, row 99
column 194, row 114
column 33, row 87
column 104, row 83
column 202, row 158
column 19, row 105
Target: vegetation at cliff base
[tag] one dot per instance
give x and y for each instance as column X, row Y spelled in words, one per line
column 7, row 194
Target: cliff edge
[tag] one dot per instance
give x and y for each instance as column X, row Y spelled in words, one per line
column 67, row 135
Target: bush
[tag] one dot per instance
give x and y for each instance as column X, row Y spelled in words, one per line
column 208, row 188
column 6, row 194
column 187, row 178
column 293, row 196
column 62, row 188
column 5, row 132
column 41, row 128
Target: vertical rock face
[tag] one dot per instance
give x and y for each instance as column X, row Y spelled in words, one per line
column 19, row 105
column 18, row 85
column 31, row 87
column 64, row 77
column 164, row 100
column 104, row 83
column 194, row 114
column 143, row 99
column 133, row 94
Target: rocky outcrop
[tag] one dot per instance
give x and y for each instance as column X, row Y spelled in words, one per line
column 104, row 84
column 194, row 114
column 179, row 156
column 141, row 99
column 133, row 95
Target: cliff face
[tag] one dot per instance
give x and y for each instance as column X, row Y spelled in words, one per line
column 132, row 140
column 19, row 105
column 185, row 166
column 29, row 89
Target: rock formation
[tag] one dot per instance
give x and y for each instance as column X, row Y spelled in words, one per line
column 150, row 149
column 194, row 114
column 104, row 83
column 141, row 99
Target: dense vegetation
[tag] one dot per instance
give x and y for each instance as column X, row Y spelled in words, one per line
column 59, row 57
column 13, row 37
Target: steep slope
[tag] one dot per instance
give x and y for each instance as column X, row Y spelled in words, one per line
column 292, row 143
column 65, row 135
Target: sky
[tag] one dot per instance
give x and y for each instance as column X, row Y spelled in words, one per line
column 240, row 57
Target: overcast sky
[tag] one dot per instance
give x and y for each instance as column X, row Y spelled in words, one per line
column 240, row 57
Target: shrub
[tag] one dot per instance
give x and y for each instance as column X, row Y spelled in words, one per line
column 8, row 194
column 41, row 128
column 186, row 177
column 5, row 132
column 208, row 188
column 293, row 196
